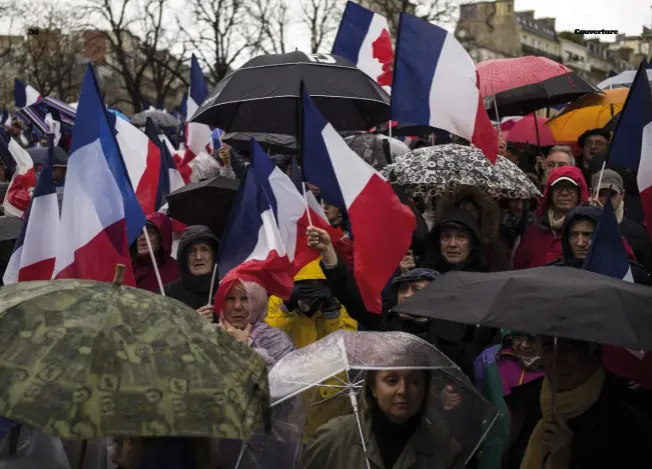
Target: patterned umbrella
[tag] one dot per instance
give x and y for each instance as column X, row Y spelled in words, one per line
column 433, row 171
column 82, row 359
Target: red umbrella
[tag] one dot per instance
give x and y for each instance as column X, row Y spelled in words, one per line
column 524, row 131
column 498, row 75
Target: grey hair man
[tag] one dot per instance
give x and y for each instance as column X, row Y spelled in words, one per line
column 558, row 156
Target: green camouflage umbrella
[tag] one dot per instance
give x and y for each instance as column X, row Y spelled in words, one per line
column 82, row 359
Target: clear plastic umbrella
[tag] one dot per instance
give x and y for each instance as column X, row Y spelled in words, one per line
column 335, row 368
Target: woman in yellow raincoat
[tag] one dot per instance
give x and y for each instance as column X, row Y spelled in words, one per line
column 311, row 314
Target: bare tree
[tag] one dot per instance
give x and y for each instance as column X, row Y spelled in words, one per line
column 221, row 33
column 322, row 17
column 51, row 58
column 434, row 11
column 272, row 18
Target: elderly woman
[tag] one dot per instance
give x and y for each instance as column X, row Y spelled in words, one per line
column 397, row 435
column 243, row 317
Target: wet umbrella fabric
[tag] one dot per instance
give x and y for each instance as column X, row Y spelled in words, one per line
column 263, row 95
column 160, row 118
column 271, row 143
column 10, row 228
column 335, row 367
column 204, row 203
column 83, row 359
column 559, row 301
column 433, row 171
column 38, row 155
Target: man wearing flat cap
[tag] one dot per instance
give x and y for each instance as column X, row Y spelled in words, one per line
column 594, row 144
column 612, row 186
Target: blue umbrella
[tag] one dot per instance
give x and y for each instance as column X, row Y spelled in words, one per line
column 118, row 113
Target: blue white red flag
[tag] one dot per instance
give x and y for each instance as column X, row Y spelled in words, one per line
column 35, row 249
column 198, row 137
column 101, row 215
column 17, row 198
column 436, row 84
column 24, row 95
column 364, row 39
column 379, row 221
column 631, row 145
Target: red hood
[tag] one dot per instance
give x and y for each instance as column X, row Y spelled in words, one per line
column 571, row 172
column 164, row 227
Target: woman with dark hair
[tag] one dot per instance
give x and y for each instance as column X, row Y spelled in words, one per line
column 397, row 436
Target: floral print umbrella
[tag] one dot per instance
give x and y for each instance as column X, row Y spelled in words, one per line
column 434, row 171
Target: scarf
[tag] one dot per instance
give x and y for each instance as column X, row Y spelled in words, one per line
column 569, row 404
column 390, row 437
column 555, row 223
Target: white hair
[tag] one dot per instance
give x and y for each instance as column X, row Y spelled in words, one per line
column 563, row 149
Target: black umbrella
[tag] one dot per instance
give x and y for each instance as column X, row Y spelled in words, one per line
column 263, row 95
column 10, row 228
column 405, row 130
column 613, row 122
column 160, row 118
column 38, row 154
column 204, row 203
column 556, row 301
column 525, row 99
column 271, row 143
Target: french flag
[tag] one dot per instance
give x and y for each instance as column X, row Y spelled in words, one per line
column 35, row 250
column 142, row 158
column 169, row 178
column 24, row 95
column 364, row 39
column 436, row 84
column 17, row 198
column 263, row 234
column 100, row 216
column 607, row 254
column 631, row 145
column 379, row 221
column 199, row 137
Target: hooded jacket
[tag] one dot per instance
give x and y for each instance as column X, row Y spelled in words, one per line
column 143, row 269
column 541, row 245
column 193, row 290
column 302, row 328
column 434, row 258
column 593, row 214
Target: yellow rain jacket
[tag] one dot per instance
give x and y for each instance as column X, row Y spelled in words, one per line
column 323, row 403
column 304, row 330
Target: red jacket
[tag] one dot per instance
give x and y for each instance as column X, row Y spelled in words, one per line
column 168, row 268
column 540, row 244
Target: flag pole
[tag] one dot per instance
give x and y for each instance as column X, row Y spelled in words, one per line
column 151, row 254
column 595, row 196
column 210, row 292
column 305, row 200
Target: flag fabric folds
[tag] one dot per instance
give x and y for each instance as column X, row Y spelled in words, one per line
column 17, row 198
column 436, row 84
column 364, row 39
column 261, row 236
column 100, row 216
column 607, row 254
column 199, row 137
column 382, row 226
column 24, row 95
column 631, row 145
column 35, row 249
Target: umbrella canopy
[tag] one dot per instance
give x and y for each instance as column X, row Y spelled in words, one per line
column 561, row 301
column 405, row 130
column 204, row 203
column 34, row 115
column 83, row 359
column 271, row 143
column 263, row 95
column 530, row 130
column 377, row 150
column 622, row 80
column 591, row 111
column 350, row 355
column 160, row 118
column 433, row 171
column 10, row 228
column 39, row 154
column 524, row 84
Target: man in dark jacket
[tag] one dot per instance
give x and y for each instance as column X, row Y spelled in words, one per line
column 592, row 142
column 196, row 258
column 612, row 187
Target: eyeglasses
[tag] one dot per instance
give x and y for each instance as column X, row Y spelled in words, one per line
column 555, row 164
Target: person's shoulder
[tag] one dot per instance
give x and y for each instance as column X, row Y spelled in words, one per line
column 633, row 228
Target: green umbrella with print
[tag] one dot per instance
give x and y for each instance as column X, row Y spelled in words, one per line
column 82, row 359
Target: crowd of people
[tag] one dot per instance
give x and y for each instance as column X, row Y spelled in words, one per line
column 583, row 415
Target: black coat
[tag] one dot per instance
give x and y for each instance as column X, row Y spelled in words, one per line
column 611, row 434
column 460, row 343
column 636, row 236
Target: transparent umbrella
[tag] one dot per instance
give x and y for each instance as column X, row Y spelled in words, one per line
column 334, row 368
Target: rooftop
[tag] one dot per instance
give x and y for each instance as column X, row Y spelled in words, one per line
column 540, row 27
